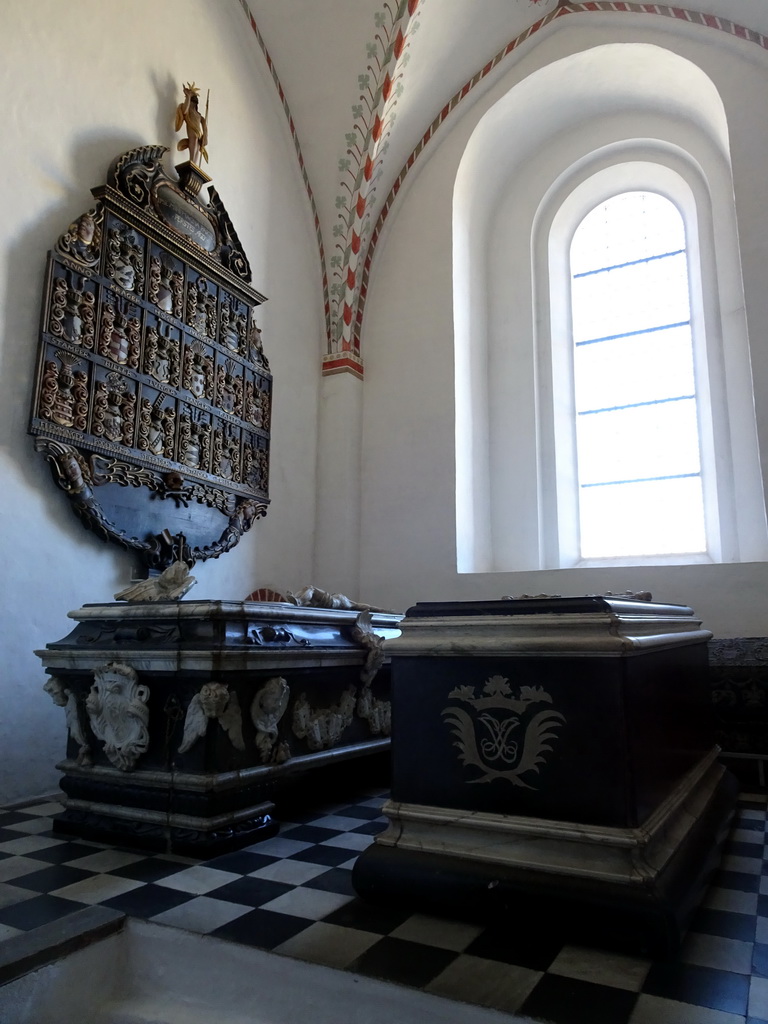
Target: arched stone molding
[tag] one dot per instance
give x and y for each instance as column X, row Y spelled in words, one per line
column 565, row 8
column 635, row 107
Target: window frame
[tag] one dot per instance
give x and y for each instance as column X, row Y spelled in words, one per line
column 558, row 462
column 704, row 419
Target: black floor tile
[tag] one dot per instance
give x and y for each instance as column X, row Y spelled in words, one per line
column 62, row 853
column 371, row 828
column 14, row 817
column 242, row 862
column 736, row 880
column 402, row 962
column 753, row 824
column 725, row 923
column 310, row 833
column 152, row 869
column 37, row 911
column 702, row 986
column 740, row 849
column 367, row 918
column 56, row 876
column 760, row 959
column 525, row 949
column 7, row 834
column 251, row 892
column 262, row 928
column 359, row 811
column 569, row 1001
column 148, row 900
column 330, row 855
column 336, row 880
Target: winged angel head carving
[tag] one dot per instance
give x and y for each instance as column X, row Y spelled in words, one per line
column 500, row 734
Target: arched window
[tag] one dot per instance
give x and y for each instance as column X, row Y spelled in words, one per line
column 639, row 467
column 607, row 418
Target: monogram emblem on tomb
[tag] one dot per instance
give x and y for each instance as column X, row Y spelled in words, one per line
column 501, row 733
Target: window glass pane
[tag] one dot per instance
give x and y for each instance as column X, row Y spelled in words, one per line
column 655, row 518
column 657, row 440
column 631, row 298
column 626, row 371
column 628, row 227
column 637, row 439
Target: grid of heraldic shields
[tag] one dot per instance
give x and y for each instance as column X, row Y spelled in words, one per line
column 292, row 894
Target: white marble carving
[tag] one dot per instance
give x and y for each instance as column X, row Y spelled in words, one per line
column 171, row 585
column 499, row 734
column 363, row 634
column 215, row 700
column 267, row 709
column 64, row 698
column 378, row 713
column 118, row 713
column 323, row 728
column 314, row 597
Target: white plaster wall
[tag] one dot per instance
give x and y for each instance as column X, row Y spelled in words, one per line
column 408, row 502
column 82, row 83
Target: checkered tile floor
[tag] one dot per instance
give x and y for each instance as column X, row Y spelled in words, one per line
column 293, row 895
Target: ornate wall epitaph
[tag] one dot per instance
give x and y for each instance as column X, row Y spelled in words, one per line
column 153, row 396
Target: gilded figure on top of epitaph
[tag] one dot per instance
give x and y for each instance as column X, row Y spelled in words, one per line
column 188, row 114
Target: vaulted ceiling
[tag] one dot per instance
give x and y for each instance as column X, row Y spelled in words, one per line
column 365, row 86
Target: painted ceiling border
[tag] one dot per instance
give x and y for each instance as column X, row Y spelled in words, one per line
column 565, row 8
column 361, row 166
column 300, row 157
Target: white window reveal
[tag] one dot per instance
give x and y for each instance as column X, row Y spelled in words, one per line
column 639, row 475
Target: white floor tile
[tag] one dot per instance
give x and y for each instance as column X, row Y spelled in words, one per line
column 47, row 809
column 202, row 914
column 601, row 967
column 472, row 979
column 279, row 847
column 337, row 821
column 437, row 931
column 29, row 844
column 733, row 900
column 97, row 889
column 6, row 932
column 349, row 841
column 293, row 872
column 758, row 998
column 16, row 867
column 31, row 826
column 748, row 835
column 718, row 952
column 328, row 944
column 313, row 904
column 745, row 865
column 106, row 860
column 655, row 1010
column 11, row 894
column 198, row 879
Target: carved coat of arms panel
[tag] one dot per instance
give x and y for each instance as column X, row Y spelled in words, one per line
column 153, row 395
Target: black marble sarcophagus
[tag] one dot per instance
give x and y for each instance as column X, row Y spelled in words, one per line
column 184, row 717
column 552, row 757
